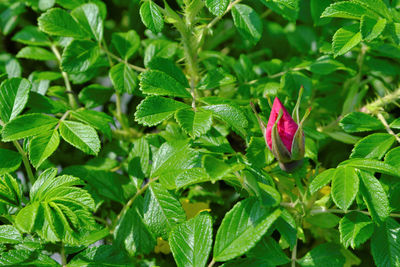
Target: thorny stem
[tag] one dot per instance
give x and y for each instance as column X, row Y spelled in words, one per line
column 378, row 104
column 71, row 97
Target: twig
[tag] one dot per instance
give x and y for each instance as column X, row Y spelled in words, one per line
column 211, row 263
column 387, row 127
column 137, row 68
column 216, row 19
column 63, row 256
column 294, row 255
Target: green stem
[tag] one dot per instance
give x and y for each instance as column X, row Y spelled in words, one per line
column 318, row 211
column 211, row 263
column 387, row 127
column 25, row 160
column 377, row 105
column 294, row 255
column 63, row 256
column 137, row 68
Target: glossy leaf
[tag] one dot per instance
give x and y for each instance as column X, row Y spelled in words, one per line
column 43, row 146
column 30, row 35
column 10, row 191
column 371, row 28
column 79, row 56
column 355, row 228
column 247, row 22
column 36, row 53
column 151, row 16
column 123, row 78
column 373, row 146
column 81, row 136
column 9, row 161
column 230, row 114
column 322, row 254
column 14, row 94
column 385, row 244
column 346, row 9
column 88, row 16
column 321, row 180
column 345, row 39
column 195, row 123
column 218, row 7
column 155, row 82
column 344, row 187
column 360, row 122
column 126, row 43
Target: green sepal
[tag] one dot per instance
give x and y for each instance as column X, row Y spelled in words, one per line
column 278, row 148
column 298, row 144
column 296, row 110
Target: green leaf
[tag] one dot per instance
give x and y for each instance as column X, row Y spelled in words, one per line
column 327, row 254
column 167, row 66
column 156, row 82
column 59, row 22
column 14, row 94
column 123, row 78
column 347, row 10
column 321, row 180
column 79, row 56
column 230, row 114
column 257, row 152
column 192, row 176
column 217, row 169
column 160, row 48
column 194, row 252
column 101, row 255
column 385, row 244
column 344, row 187
column 95, row 95
column 287, row 227
column 28, row 125
column 374, row 197
column 10, row 191
column 289, row 9
column 43, row 146
column 9, row 235
column 154, row 109
column 373, row 146
column 81, row 136
column 215, row 78
column 345, row 39
column 242, row 227
column 38, row 103
column 317, row 7
column 217, row 7
column 98, row 120
column 247, row 22
column 373, row 166
column 268, row 252
column 395, row 124
column 36, row 53
column 126, row 43
column 88, row 16
column 9, row 161
column 323, row 220
column 194, row 123
column 355, row 228
column 360, row 122
column 30, row 35
column 371, row 28
column 151, row 16
column 377, row 6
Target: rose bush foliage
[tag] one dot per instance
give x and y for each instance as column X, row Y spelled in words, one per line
column 128, row 137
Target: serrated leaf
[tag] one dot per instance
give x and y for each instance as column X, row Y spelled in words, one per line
column 321, row 180
column 344, row 187
column 323, row 220
column 217, row 169
column 36, row 53
column 59, row 22
column 289, row 9
column 79, row 56
column 162, row 210
column 43, row 146
column 10, row 191
column 373, row 165
column 154, row 109
column 217, row 7
column 360, row 122
column 355, row 228
column 230, row 114
column 191, row 241
column 257, row 152
column 123, row 78
column 214, row 78
column 28, row 125
column 126, row 43
column 371, row 28
column 9, row 235
column 88, row 16
column 347, row 10
column 30, row 35
column 286, row 226
column 95, row 95
column 155, row 82
column 345, row 39
column 195, row 123
column 192, row 176
column 374, row 197
column 242, row 227
column 26, row 217
column 98, row 120
column 268, row 252
column 151, row 16
column 247, row 22
column 373, row 146
column 385, row 244
column 167, row 66
column 9, row 161
column 101, row 255
column 81, row 136
column 327, row 254
column 38, row 103
column 14, row 94
column 375, row 5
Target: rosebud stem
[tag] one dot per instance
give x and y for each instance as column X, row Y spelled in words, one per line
column 290, row 166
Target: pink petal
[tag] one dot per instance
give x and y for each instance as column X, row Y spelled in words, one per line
column 287, row 127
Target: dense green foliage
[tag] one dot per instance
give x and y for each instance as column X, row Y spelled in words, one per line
column 128, row 139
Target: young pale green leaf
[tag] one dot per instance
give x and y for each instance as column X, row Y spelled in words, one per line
column 377, row 6
column 360, row 122
column 289, row 9
column 36, row 53
column 59, row 22
column 95, row 95
column 355, row 228
column 192, row 176
column 9, row 235
column 123, row 78
column 167, row 66
column 268, row 252
column 320, row 255
column 30, row 35
column 126, row 43
column 393, row 157
column 10, row 191
column 81, row 136
column 371, row 28
column 347, row 10
column 345, row 39
column 9, row 161
column 155, row 82
column 321, row 180
column 373, row 146
column 344, row 186
column 79, row 56
column 101, row 255
column 43, row 146
column 98, row 120
column 374, row 197
column 154, row 109
column 373, row 165
column 199, row 231
column 14, row 94
column 385, row 244
column 242, row 227
column 162, row 210
column 151, row 16
column 89, row 17
column 217, row 7
column 247, row 22
column 230, row 114
column 26, row 217
column 195, row 123
column 28, row 125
